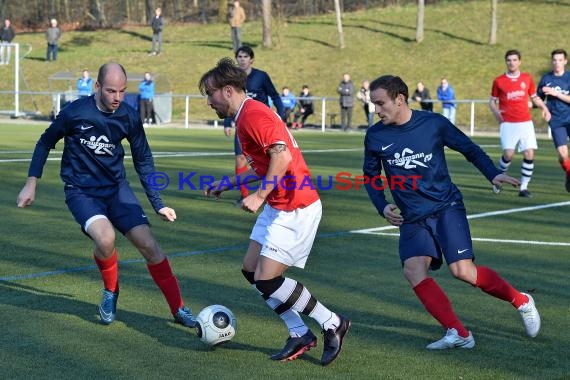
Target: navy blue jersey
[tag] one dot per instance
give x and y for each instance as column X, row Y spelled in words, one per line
column 559, row 109
column 260, row 87
column 92, row 153
column 413, row 159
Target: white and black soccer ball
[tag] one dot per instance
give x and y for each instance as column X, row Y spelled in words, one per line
column 216, row 324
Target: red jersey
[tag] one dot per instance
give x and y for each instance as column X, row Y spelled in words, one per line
column 513, row 93
column 258, row 128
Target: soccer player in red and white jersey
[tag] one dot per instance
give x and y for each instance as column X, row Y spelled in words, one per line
column 509, row 103
column 285, row 230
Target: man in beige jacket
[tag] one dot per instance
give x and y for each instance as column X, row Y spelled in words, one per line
column 236, row 17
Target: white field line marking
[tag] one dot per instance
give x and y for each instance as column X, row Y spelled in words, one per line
column 176, row 154
column 379, row 230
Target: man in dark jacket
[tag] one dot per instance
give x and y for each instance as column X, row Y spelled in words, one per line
column 157, row 25
column 7, row 34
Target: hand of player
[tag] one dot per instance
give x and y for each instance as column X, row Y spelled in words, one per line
column 168, row 214
column 252, row 203
column 391, row 216
column 28, row 193
column 227, row 131
column 500, row 179
column 214, row 190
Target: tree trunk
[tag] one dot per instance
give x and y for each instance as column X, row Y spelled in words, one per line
column 266, row 22
column 223, row 11
column 339, row 23
column 493, row 32
column 420, row 21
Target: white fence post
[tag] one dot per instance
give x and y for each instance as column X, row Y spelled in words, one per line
column 323, row 114
column 186, row 111
column 472, row 119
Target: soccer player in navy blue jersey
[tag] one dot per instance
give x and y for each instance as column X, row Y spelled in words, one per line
column 409, row 146
column 259, row 87
column 554, row 89
column 96, row 190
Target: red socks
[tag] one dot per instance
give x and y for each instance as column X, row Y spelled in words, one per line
column 566, row 165
column 109, row 271
column 438, row 305
column 163, row 277
column 491, row 283
column 243, row 188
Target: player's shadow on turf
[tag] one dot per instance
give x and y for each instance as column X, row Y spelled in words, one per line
column 232, row 345
column 30, row 298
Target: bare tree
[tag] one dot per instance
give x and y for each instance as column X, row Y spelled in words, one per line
column 266, row 22
column 420, row 21
column 222, row 11
column 339, row 23
column 493, row 32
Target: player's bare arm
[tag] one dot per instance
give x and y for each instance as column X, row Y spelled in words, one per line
column 218, row 187
column 495, row 110
column 279, row 159
column 540, row 104
column 228, row 131
column 28, row 193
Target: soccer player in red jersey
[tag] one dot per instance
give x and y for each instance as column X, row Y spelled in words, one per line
column 285, row 230
column 509, row 104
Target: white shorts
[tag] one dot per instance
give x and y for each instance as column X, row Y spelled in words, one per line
column 287, row 236
column 518, row 133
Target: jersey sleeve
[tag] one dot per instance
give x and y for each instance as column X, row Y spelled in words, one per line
column 373, row 167
column 46, row 142
column 143, row 162
column 495, row 89
column 455, row 139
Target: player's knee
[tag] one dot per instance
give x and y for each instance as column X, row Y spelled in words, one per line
column 249, row 276
column 268, row 287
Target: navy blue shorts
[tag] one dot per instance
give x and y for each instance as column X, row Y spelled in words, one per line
column 560, row 135
column 117, row 203
column 445, row 234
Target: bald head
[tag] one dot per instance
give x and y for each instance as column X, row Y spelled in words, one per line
column 111, row 69
column 110, row 87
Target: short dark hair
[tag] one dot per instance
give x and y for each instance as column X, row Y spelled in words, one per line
column 226, row 73
column 245, row 49
column 513, row 52
column 393, row 85
column 559, row 51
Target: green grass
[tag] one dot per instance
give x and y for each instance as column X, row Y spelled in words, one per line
column 378, row 41
column 50, row 324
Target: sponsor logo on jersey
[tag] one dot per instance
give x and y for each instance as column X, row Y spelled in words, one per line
column 410, row 160
column 100, row 145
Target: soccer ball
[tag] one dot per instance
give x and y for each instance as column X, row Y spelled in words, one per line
column 216, row 324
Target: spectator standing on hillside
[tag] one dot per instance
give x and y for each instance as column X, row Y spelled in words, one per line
column 146, row 91
column 236, row 18
column 554, row 90
column 7, row 34
column 289, row 101
column 285, row 229
column 364, row 96
column 446, row 95
column 421, row 94
column 510, row 106
column 157, row 25
column 96, row 189
column 430, row 212
column 53, row 34
column 304, row 108
column 346, row 91
column 84, row 84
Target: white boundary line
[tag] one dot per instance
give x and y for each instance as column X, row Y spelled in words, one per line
column 379, row 230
